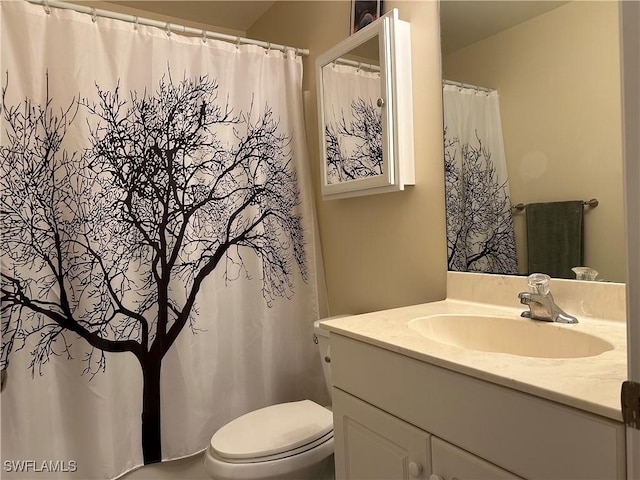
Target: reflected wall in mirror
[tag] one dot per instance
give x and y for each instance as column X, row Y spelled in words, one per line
column 556, row 69
column 365, row 111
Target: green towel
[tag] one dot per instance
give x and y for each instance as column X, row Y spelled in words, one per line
column 554, row 237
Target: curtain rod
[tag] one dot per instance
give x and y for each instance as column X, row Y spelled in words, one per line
column 359, row 65
column 467, row 85
column 168, row 26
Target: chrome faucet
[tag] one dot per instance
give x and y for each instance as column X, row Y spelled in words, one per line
column 541, row 303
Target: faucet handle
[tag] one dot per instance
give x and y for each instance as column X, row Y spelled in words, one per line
column 539, row 283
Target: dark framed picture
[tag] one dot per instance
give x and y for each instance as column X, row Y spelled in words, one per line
column 363, row 13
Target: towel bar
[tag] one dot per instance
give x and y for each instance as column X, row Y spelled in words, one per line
column 593, row 203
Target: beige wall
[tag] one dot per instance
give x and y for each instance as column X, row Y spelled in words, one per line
column 558, row 76
column 386, row 250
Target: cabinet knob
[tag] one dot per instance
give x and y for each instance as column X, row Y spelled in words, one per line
column 433, row 476
column 327, row 359
column 381, row 102
column 415, row 469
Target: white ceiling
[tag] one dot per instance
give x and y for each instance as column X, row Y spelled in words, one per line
column 462, row 21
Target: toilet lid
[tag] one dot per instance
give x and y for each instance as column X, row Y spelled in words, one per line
column 272, row 430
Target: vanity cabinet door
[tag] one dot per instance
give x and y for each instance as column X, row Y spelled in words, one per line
column 449, row 462
column 371, row 444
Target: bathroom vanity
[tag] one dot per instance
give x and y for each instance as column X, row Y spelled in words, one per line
column 413, row 400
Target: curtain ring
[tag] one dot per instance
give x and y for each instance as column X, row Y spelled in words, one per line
column 47, row 8
column 297, row 51
column 135, row 23
column 94, row 15
column 359, row 66
column 237, row 43
column 204, row 36
column 285, row 51
column 268, row 48
column 168, row 27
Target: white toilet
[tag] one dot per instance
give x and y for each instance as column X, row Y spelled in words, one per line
column 285, row 441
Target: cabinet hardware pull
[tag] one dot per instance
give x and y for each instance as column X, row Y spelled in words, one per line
column 415, row 469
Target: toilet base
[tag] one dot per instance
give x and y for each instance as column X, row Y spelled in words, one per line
column 324, row 470
column 328, row 470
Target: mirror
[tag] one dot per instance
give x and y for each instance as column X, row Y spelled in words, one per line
column 364, row 107
column 556, row 69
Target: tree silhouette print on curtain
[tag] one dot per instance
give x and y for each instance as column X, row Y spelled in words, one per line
column 479, row 221
column 354, row 147
column 113, row 244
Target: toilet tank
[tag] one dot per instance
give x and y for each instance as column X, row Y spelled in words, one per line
column 321, row 338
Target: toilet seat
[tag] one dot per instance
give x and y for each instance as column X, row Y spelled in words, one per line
column 273, row 432
column 307, row 464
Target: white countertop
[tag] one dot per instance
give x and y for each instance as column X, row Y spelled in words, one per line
column 589, row 383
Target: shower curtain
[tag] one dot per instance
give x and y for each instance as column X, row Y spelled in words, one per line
column 480, row 233
column 353, row 122
column 157, row 243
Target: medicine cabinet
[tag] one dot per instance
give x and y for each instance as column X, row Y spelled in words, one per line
column 365, row 111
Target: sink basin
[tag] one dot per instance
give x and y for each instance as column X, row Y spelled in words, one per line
column 515, row 336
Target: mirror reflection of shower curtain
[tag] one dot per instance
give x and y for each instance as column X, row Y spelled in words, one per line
column 353, row 123
column 480, row 234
